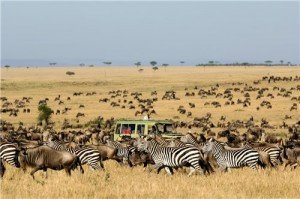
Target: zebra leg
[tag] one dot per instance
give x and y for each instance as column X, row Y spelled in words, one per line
column 223, row 168
column 158, row 167
column 252, row 165
column 169, row 170
column 195, row 165
column 2, row 169
column 192, row 170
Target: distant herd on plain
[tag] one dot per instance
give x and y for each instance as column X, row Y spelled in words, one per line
column 42, row 147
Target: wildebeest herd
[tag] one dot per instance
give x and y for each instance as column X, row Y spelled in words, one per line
column 45, row 148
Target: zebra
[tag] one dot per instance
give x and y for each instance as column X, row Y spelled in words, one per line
column 189, row 138
column 8, row 153
column 172, row 157
column 274, row 152
column 122, row 151
column 231, row 158
column 86, row 155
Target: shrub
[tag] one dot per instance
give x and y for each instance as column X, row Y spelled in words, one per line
column 70, row 73
column 44, row 113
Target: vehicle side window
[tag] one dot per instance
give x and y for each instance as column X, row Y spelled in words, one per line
column 132, row 128
column 141, row 129
column 128, row 129
column 118, row 128
column 152, row 129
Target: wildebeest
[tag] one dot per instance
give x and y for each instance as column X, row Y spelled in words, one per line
column 43, row 157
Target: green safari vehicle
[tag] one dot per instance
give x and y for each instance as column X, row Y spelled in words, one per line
column 130, row 129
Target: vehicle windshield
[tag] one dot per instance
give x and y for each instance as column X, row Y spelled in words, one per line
column 165, row 128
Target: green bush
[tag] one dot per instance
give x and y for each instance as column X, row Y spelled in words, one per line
column 44, row 113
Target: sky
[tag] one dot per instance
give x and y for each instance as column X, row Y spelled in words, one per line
column 70, row 32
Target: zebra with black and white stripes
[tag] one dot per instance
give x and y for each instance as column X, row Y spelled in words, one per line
column 86, row 155
column 122, row 151
column 171, row 157
column 273, row 151
column 9, row 153
column 231, row 158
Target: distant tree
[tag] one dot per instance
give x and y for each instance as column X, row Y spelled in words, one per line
column 107, row 63
column 245, row 64
column 165, row 66
column 137, row 64
column 91, row 65
column 155, row 68
column 153, row 63
column 7, row 66
column 289, row 63
column 44, row 113
column 268, row 62
column 211, row 62
column 182, row 62
column 281, row 62
column 81, row 64
column 52, row 63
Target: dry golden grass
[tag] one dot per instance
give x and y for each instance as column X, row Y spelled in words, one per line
column 123, row 182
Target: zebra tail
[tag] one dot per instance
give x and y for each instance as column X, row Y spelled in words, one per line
column 261, row 163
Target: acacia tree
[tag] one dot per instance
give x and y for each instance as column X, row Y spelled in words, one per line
column 7, row 66
column 107, row 63
column 138, row 64
column 153, row 63
column 165, row 66
column 268, row 62
column 45, row 113
column 52, row 63
column 211, row 62
column 182, row 62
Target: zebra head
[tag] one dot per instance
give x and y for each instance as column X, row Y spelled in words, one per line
column 208, row 145
column 141, row 144
column 184, row 139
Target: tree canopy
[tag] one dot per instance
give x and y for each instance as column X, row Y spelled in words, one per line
column 44, row 113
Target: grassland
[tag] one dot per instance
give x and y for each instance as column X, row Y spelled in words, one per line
column 50, row 82
column 123, row 182
column 120, row 182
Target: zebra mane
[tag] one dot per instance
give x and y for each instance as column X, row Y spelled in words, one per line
column 192, row 136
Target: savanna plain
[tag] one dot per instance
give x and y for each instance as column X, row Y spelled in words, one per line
column 124, row 182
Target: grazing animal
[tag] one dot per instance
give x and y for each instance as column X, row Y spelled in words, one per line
column 86, row 155
column 8, row 153
column 122, row 151
column 44, row 157
column 174, row 157
column 273, row 151
column 292, row 156
column 231, row 158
